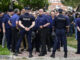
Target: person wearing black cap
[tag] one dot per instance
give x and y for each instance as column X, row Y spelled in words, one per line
column 1, row 34
column 7, row 29
column 60, row 24
column 26, row 22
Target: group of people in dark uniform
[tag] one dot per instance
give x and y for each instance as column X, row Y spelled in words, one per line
column 42, row 30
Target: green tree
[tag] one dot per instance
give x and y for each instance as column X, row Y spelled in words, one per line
column 73, row 3
column 34, row 4
column 4, row 5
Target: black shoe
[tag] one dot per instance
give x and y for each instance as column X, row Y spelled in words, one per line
column 37, row 50
column 61, row 45
column 65, row 55
column 49, row 50
column 19, row 52
column 28, row 50
column 22, row 50
column 53, row 56
column 77, row 53
column 16, row 54
column 58, row 49
column 45, row 53
column 30, row 55
column 41, row 54
column 13, row 51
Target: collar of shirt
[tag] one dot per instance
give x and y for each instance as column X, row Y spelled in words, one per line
column 41, row 15
column 26, row 13
column 15, row 15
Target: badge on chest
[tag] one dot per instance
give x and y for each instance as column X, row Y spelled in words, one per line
column 26, row 19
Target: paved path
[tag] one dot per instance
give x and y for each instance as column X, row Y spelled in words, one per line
column 59, row 56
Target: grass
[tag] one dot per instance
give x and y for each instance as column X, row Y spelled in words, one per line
column 72, row 42
column 4, row 51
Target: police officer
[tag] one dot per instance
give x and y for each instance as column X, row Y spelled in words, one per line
column 78, row 34
column 26, row 22
column 42, row 23
column 60, row 24
column 7, row 27
column 1, row 31
column 13, row 22
column 24, row 44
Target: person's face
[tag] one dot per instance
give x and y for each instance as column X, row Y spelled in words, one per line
column 56, row 13
column 27, row 11
column 52, row 13
column 1, row 14
column 40, row 12
column 18, row 12
column 23, row 11
column 64, row 13
column 77, row 16
column 48, row 13
column 44, row 12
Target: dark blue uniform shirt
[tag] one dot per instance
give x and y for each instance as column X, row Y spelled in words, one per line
column 6, row 18
column 60, row 22
column 27, row 19
column 78, row 22
column 13, row 19
column 42, row 20
column 1, row 19
column 75, row 21
column 51, row 21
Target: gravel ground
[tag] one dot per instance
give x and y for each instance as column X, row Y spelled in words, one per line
column 59, row 56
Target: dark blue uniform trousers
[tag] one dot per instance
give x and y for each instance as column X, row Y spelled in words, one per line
column 60, row 34
column 1, row 35
column 71, row 29
column 8, row 37
column 28, row 36
column 43, row 37
column 78, row 41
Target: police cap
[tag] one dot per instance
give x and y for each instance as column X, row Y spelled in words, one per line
column 27, row 8
column 60, row 10
column 10, row 10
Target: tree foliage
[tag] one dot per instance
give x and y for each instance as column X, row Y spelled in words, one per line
column 34, row 4
column 73, row 3
column 4, row 5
